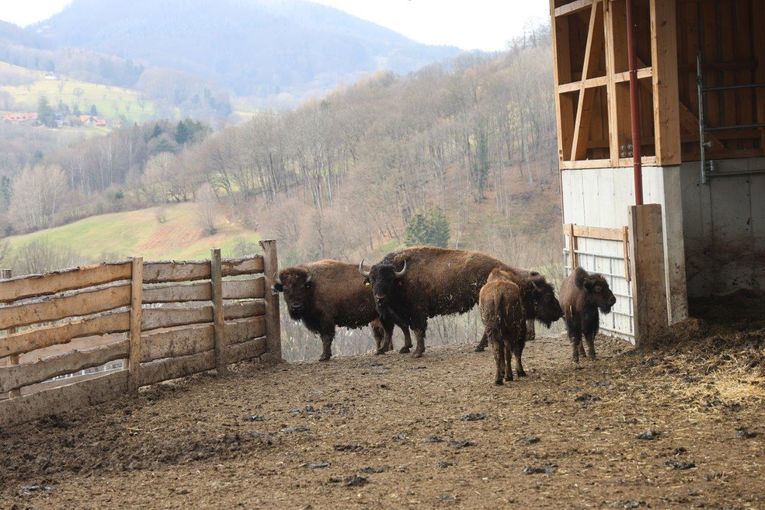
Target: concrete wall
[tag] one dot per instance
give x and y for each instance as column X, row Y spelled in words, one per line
column 600, row 198
column 724, row 224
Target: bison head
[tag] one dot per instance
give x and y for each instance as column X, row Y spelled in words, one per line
column 541, row 301
column 383, row 278
column 597, row 292
column 296, row 284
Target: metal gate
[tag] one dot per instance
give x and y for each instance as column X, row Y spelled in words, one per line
column 605, row 251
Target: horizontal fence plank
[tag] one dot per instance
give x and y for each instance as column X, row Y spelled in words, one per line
column 167, row 317
column 17, row 376
column 245, row 350
column 202, row 291
column 179, row 271
column 32, row 339
column 69, row 279
column 173, row 368
column 175, row 271
column 54, row 308
column 175, row 342
column 607, row 234
column 64, row 398
column 234, row 267
column 187, row 340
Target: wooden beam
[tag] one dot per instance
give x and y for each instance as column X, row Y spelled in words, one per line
column 69, row 279
column 173, row 368
column 600, row 81
column 571, row 8
column 605, row 163
column 216, row 285
column 201, row 291
column 39, row 338
column 171, row 316
column 64, row 398
column 592, row 52
column 178, row 271
column 17, row 376
column 564, row 104
column 273, row 322
column 608, row 234
column 136, row 313
column 666, row 96
column 649, row 291
column 82, row 303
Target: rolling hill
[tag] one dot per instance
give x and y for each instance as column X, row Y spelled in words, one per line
column 252, row 47
column 139, row 233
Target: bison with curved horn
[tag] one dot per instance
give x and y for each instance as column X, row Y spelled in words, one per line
column 414, row 284
column 329, row 293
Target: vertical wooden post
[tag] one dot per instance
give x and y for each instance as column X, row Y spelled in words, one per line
column 649, row 289
column 666, row 98
column 136, row 302
column 273, row 324
column 7, row 274
column 564, row 103
column 216, row 280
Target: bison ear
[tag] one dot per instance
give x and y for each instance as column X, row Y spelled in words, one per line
column 277, row 287
column 589, row 283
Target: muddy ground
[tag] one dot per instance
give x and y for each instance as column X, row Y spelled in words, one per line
column 681, row 427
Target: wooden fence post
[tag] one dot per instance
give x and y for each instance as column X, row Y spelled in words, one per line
column 136, row 303
column 219, row 333
column 273, row 324
column 649, row 289
column 7, row 274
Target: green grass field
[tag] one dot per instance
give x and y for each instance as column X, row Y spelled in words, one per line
column 139, row 233
column 112, row 103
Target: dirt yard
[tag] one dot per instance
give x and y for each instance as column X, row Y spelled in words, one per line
column 682, row 427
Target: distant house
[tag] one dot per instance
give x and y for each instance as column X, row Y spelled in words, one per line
column 19, row 117
column 51, row 76
column 92, row 120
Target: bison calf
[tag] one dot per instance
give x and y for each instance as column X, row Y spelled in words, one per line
column 504, row 320
column 329, row 293
column 581, row 296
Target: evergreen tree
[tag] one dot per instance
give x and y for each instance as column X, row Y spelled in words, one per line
column 431, row 229
column 45, row 114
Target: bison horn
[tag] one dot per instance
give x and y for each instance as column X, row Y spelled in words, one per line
column 399, row 274
column 361, row 269
column 308, row 280
column 277, row 279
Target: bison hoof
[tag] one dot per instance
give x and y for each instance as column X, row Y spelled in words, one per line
column 324, row 358
column 404, row 350
column 379, row 351
column 480, row 348
column 521, row 374
column 499, row 382
column 417, row 354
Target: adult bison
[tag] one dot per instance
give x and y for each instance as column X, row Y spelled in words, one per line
column 582, row 295
column 329, row 293
column 413, row 284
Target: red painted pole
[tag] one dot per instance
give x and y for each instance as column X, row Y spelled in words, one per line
column 634, row 107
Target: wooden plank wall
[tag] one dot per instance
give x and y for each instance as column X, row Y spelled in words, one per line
column 166, row 319
column 730, row 37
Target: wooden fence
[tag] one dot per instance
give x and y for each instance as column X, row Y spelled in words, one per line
column 166, row 319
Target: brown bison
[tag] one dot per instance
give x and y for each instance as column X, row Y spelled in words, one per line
column 504, row 317
column 582, row 295
column 329, row 293
column 413, row 284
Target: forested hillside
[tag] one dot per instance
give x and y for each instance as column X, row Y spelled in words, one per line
column 460, row 154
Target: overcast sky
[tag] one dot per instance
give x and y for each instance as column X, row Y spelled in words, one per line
column 467, row 24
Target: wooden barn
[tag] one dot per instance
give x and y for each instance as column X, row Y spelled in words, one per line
column 662, row 102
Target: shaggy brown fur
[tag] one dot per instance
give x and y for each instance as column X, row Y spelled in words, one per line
column 501, row 304
column 335, row 295
column 440, row 281
column 581, row 295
